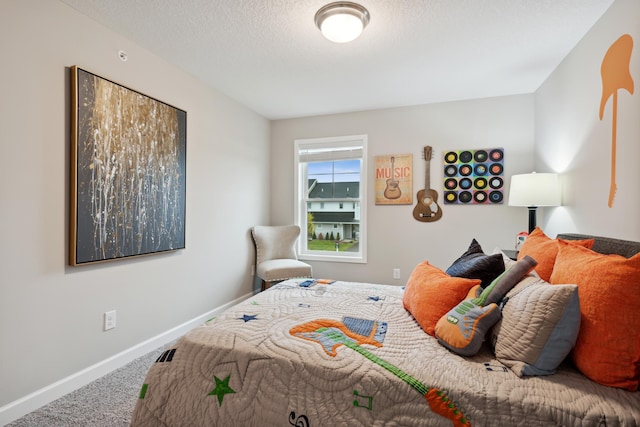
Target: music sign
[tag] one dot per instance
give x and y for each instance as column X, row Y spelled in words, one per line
column 394, row 179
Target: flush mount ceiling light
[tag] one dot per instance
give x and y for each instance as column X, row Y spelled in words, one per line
column 342, row 21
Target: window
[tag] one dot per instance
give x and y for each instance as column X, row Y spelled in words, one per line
column 331, row 173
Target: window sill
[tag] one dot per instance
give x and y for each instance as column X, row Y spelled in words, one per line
column 331, row 257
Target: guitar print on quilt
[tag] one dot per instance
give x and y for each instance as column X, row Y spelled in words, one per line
column 354, row 334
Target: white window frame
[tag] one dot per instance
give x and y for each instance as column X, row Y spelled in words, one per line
column 340, row 144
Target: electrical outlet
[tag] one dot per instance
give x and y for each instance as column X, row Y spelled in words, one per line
column 109, row 320
column 396, row 273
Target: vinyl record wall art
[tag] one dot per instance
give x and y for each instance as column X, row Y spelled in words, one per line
column 474, row 176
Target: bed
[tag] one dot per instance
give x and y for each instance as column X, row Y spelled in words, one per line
column 311, row 352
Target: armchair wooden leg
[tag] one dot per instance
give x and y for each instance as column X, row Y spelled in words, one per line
column 264, row 286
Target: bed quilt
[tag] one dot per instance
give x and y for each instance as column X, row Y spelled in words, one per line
column 321, row 353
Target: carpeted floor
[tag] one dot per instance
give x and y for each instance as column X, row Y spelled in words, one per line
column 106, row 402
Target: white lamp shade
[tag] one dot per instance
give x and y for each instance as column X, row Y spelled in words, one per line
column 535, row 189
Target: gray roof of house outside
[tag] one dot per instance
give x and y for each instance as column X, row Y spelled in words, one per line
column 334, row 217
column 333, row 190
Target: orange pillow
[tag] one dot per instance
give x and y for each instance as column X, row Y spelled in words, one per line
column 430, row 293
column 544, row 250
column 608, row 346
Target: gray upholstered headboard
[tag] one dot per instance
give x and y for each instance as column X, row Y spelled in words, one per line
column 607, row 245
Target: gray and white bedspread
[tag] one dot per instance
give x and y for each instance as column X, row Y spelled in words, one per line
column 349, row 354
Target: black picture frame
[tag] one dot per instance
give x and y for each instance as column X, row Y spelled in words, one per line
column 128, row 172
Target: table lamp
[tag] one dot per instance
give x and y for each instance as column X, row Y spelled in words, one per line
column 533, row 190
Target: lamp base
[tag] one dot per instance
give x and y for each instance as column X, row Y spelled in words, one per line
column 532, row 217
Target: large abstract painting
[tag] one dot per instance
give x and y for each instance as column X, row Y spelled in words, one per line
column 128, row 172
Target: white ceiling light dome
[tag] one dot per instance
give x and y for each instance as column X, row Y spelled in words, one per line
column 342, row 21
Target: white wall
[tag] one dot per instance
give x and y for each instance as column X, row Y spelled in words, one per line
column 50, row 313
column 396, row 239
column 571, row 138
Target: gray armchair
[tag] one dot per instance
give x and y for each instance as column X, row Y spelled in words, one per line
column 276, row 258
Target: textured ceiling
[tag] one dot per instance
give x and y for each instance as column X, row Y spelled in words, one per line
column 268, row 54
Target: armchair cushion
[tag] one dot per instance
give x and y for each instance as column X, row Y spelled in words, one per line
column 282, row 269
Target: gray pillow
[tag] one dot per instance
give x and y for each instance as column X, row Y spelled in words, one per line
column 538, row 328
column 475, row 264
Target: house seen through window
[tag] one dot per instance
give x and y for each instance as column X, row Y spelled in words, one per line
column 331, row 198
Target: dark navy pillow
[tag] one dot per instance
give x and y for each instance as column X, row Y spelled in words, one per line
column 475, row 264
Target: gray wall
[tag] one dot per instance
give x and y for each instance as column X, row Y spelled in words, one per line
column 555, row 129
column 572, row 140
column 50, row 313
column 396, row 239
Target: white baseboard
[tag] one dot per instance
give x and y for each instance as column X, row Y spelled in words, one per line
column 20, row 407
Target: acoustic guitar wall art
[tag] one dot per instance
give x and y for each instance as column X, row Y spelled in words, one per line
column 392, row 191
column 427, row 209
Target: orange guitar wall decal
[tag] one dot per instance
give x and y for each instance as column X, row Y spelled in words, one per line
column 427, row 209
column 393, row 186
column 615, row 75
